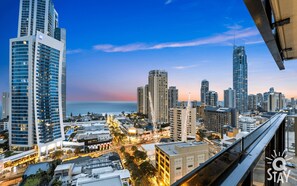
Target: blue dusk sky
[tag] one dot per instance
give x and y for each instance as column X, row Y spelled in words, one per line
column 113, row 44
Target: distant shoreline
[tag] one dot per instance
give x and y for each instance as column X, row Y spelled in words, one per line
column 99, row 107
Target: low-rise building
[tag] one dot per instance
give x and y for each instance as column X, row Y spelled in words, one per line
column 176, row 159
column 107, row 169
column 89, row 135
column 18, row 159
column 150, row 152
column 247, row 124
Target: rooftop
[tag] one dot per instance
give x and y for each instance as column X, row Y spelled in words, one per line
column 19, row 156
column 217, row 109
column 170, row 148
column 112, row 181
column 64, row 167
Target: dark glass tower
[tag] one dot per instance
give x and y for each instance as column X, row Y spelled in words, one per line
column 204, row 89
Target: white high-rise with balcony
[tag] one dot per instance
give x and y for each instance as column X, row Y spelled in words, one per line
column 36, row 66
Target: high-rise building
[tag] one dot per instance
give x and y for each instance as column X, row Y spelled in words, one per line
column 36, row 78
column 140, row 99
column 211, row 98
column 203, row 90
column 216, row 118
column 146, row 99
column 259, row 99
column 265, row 96
column 229, row 98
column 293, row 102
column 240, row 78
column 172, row 97
column 60, row 34
column 37, row 15
column 178, row 117
column 252, row 102
column 158, row 89
column 175, row 160
column 5, row 104
column 275, row 102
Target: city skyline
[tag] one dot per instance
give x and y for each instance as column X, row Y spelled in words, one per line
column 201, row 49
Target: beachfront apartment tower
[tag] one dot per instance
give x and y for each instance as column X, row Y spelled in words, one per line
column 36, row 68
column 158, row 89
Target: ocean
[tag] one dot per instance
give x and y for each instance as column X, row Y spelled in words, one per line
column 115, row 107
column 100, row 107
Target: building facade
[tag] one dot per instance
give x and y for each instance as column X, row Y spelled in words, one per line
column 252, row 102
column 229, row 98
column 179, row 131
column 211, row 98
column 216, row 118
column 172, row 97
column 158, row 89
column 203, row 90
column 247, row 124
column 175, row 160
column 60, row 34
column 240, row 78
column 140, row 99
column 5, row 104
column 260, row 99
column 36, row 68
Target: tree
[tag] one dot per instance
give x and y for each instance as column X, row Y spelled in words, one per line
column 8, row 153
column 57, row 183
column 71, row 115
column 133, row 148
column 77, row 150
column 69, row 151
column 57, row 154
column 140, row 155
column 148, row 169
column 122, row 149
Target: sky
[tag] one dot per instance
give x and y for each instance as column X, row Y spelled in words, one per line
column 113, row 44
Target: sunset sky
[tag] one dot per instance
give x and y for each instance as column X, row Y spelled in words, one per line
column 113, row 44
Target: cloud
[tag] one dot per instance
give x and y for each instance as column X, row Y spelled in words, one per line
column 254, row 42
column 234, row 27
column 225, row 37
column 167, row 2
column 184, row 67
column 75, row 51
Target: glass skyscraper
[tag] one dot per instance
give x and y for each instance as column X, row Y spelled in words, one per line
column 203, row 90
column 37, row 61
column 240, row 78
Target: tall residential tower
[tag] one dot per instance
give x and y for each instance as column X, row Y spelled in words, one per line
column 240, row 78
column 229, row 98
column 172, row 97
column 37, row 61
column 158, row 89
